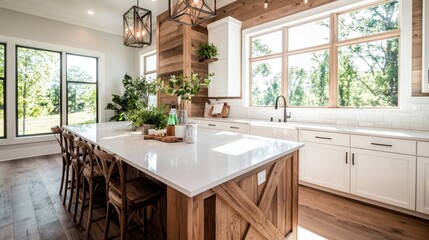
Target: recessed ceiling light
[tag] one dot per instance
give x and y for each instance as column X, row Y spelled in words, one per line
column 91, row 12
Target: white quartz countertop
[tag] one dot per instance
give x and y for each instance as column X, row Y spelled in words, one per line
column 217, row 157
column 379, row 132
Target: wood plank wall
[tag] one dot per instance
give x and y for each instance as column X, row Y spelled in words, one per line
column 176, row 45
column 417, row 49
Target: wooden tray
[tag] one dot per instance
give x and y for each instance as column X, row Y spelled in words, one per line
column 166, row 139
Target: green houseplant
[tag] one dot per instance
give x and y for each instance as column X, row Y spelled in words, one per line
column 184, row 87
column 137, row 91
column 149, row 117
column 207, row 50
column 155, row 116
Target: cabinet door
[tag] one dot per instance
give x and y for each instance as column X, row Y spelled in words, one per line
column 325, row 165
column 423, row 185
column 219, row 84
column 384, row 177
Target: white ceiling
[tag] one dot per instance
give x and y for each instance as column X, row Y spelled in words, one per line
column 107, row 13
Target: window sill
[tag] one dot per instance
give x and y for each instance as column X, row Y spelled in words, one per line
column 24, row 140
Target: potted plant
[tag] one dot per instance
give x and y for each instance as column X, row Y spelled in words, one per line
column 137, row 91
column 207, row 52
column 185, row 87
column 134, row 116
column 153, row 117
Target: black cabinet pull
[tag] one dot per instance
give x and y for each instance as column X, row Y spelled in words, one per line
column 353, row 159
column 212, row 125
column 347, row 157
column 326, row 138
column 234, row 127
column 382, row 145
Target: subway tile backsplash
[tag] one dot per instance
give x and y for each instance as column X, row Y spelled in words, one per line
column 415, row 119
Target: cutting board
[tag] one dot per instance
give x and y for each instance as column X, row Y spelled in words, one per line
column 166, row 139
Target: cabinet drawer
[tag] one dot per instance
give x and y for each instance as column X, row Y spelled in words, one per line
column 423, row 149
column 339, row 139
column 384, row 144
column 236, row 127
column 210, row 124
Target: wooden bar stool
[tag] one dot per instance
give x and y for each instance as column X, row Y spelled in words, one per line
column 76, row 163
column 64, row 156
column 127, row 196
column 92, row 178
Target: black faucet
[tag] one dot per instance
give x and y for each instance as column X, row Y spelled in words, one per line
column 285, row 116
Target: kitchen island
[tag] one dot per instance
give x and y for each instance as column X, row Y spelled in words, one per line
column 226, row 186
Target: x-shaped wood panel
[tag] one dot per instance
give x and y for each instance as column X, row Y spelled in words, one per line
column 231, row 193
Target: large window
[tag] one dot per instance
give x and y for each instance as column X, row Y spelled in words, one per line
column 81, row 89
column 2, row 90
column 39, row 90
column 38, row 95
column 346, row 59
column 149, row 72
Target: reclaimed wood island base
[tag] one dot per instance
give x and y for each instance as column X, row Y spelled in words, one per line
column 239, row 208
column 225, row 186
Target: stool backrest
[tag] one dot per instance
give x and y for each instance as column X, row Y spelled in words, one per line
column 69, row 144
column 61, row 141
column 111, row 162
column 84, row 150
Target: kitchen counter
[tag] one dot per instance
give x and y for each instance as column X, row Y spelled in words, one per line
column 224, row 174
column 217, row 156
column 379, row 132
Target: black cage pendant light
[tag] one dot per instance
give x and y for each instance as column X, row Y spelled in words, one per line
column 137, row 27
column 191, row 12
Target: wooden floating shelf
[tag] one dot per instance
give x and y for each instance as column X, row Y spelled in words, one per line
column 209, row 60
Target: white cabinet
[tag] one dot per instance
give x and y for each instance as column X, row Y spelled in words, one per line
column 384, row 169
column 325, row 159
column 384, row 177
column 423, row 177
column 226, row 35
column 325, row 165
column 376, row 168
column 422, row 185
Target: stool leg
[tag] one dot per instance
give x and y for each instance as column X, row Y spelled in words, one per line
column 161, row 222
column 91, row 207
column 123, row 222
column 76, row 199
column 84, row 188
column 71, row 189
column 62, row 175
column 106, row 226
column 66, row 183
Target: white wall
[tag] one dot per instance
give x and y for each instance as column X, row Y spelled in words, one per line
column 413, row 112
column 114, row 61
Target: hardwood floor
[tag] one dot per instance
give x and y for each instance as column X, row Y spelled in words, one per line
column 30, row 208
column 335, row 217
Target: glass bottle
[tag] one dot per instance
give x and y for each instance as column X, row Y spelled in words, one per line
column 172, row 117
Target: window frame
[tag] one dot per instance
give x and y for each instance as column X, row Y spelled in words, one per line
column 77, row 82
column 16, row 90
column 4, row 92
column 333, row 46
column 145, row 57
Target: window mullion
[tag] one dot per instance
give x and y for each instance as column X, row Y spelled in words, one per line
column 370, row 38
column 285, row 63
column 333, row 63
column 266, row 57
